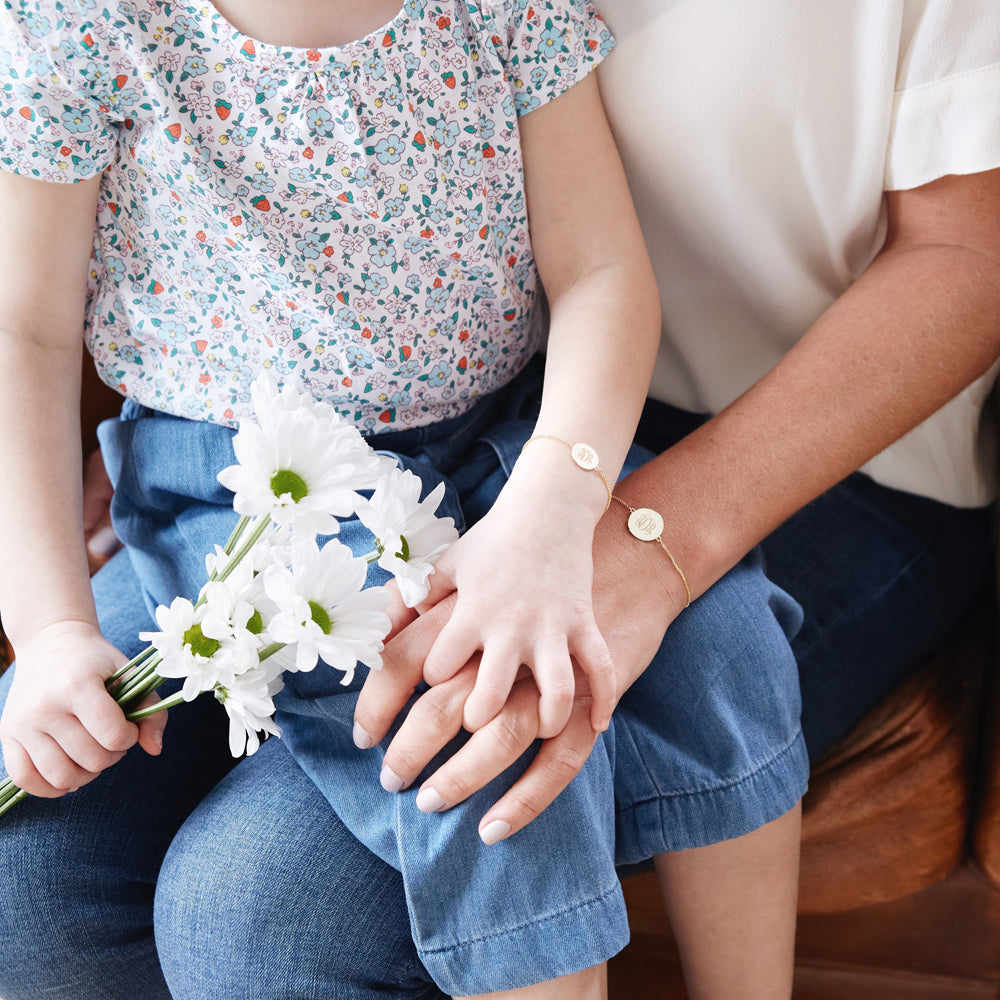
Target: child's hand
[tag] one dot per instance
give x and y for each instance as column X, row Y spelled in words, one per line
column 60, row 727
column 524, row 577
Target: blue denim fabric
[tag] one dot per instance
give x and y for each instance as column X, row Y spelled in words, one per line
column 266, row 892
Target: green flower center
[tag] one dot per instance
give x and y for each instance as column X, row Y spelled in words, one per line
column 321, row 617
column 285, row 481
column 404, row 551
column 201, row 644
column 256, row 624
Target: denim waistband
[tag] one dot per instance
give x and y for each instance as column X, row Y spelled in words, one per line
column 458, row 432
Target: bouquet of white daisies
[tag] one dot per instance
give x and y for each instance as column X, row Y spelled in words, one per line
column 275, row 600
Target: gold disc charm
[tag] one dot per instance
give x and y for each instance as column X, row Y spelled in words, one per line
column 585, row 457
column 645, row 524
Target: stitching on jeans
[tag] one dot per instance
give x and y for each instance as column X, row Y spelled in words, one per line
column 712, row 789
column 513, row 930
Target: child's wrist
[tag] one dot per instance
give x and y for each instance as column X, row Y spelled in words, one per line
column 569, row 470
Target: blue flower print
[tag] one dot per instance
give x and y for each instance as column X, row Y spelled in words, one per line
column 225, row 271
column 194, row 66
column 389, row 149
column 114, row 268
column 320, row 121
column 438, row 211
column 39, row 25
column 193, row 407
column 413, row 282
column 471, row 162
column 447, row 133
column 437, row 299
column 395, row 207
column 551, row 40
column 538, row 75
column 408, row 171
column 357, row 357
column 438, row 375
column 77, row 120
column 415, row 244
column 411, row 369
column 525, row 103
column 172, row 331
column 325, row 213
column 268, row 86
column 375, row 283
column 299, row 175
column 393, row 95
column 348, row 317
column 400, row 398
column 382, row 253
column 310, row 246
column 262, row 182
column 240, row 135
column 413, row 8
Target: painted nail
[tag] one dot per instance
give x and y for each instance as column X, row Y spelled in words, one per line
column 494, row 831
column 391, row 781
column 361, row 738
column 428, row 800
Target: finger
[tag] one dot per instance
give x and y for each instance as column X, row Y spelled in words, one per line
column 594, row 658
column 556, row 764
column 440, row 584
column 455, row 645
column 57, row 773
column 497, row 670
column 553, row 672
column 489, row 752
column 399, row 614
column 433, row 721
column 80, row 746
column 151, row 726
column 386, row 691
column 104, row 719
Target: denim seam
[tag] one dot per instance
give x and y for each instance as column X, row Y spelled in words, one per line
column 712, row 789
column 507, row 931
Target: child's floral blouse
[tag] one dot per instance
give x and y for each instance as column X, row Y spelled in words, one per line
column 354, row 216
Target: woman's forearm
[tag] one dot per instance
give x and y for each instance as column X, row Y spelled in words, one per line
column 918, row 326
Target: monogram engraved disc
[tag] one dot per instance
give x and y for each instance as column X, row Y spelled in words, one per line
column 645, row 524
column 585, row 456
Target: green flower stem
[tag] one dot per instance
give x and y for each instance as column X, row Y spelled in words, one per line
column 139, row 692
column 267, row 651
column 134, row 662
column 372, row 556
column 9, row 801
column 255, row 535
column 235, row 536
column 140, row 681
column 160, row 706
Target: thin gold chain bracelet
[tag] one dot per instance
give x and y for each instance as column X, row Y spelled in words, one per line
column 583, row 456
column 646, row 524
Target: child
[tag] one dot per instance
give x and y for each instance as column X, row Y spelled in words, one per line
column 346, row 204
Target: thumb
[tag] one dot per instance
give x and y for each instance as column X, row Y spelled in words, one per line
column 151, row 727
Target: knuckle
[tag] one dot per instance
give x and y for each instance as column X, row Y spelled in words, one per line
column 511, row 733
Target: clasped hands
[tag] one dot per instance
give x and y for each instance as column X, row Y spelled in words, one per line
column 632, row 624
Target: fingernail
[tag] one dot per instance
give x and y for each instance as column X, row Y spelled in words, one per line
column 391, row 781
column 362, row 740
column 494, row 831
column 104, row 541
column 428, row 800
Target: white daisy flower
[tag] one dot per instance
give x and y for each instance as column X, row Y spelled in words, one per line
column 323, row 610
column 302, row 464
column 187, row 652
column 249, row 703
column 409, row 535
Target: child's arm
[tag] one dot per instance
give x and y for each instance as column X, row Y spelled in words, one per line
column 524, row 573
column 59, row 727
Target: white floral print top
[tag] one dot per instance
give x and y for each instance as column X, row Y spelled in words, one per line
column 353, row 215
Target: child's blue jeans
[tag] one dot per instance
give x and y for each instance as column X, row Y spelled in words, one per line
column 262, row 890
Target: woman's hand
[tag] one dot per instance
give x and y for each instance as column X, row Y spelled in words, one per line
column 635, row 599
column 60, row 727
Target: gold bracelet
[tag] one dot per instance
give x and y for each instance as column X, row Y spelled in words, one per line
column 646, row 524
column 583, row 455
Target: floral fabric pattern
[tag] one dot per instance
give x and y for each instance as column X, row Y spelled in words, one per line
column 353, row 216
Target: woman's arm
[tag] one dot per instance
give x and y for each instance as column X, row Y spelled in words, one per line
column 918, row 326
column 59, row 726
column 523, row 573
